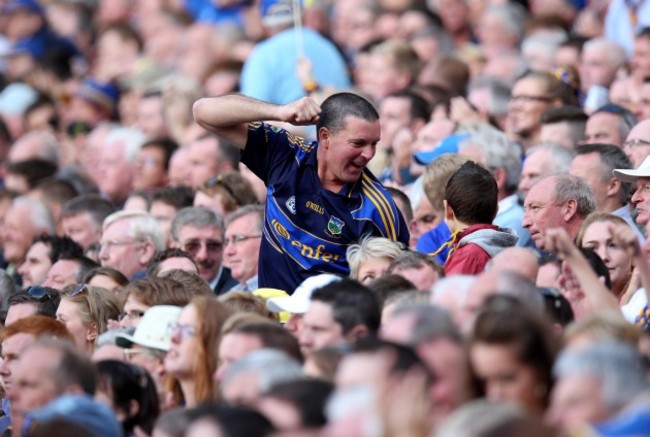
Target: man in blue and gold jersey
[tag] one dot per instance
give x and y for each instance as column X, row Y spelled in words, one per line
column 320, row 196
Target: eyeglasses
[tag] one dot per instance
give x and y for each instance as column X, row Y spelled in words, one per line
column 193, row 246
column 129, row 353
column 37, row 292
column 221, row 181
column 534, row 209
column 637, row 142
column 147, row 161
column 110, row 244
column 237, row 239
column 525, row 98
column 184, row 331
column 131, row 315
column 80, row 288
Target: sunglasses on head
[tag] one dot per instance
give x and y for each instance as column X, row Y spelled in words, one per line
column 37, row 292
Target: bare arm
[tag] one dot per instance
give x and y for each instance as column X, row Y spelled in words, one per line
column 228, row 116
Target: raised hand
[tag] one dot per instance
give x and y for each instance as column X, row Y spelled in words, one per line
column 302, row 112
column 558, row 241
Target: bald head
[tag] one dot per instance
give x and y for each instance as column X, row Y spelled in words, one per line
column 515, row 259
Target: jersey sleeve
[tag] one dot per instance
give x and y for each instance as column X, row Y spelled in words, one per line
column 269, row 149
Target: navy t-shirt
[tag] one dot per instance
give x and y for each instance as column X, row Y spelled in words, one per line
column 307, row 228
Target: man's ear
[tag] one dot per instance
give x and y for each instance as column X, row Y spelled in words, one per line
column 500, row 176
column 613, row 187
column 357, row 332
column 147, row 254
column 324, row 136
column 449, row 212
column 569, row 209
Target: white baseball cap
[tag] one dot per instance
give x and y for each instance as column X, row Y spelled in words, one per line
column 298, row 302
column 154, row 330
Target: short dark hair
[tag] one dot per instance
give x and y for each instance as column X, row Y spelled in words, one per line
column 564, row 113
column 405, row 358
column 59, row 246
column 153, row 267
column 352, row 304
column 418, row 106
column 472, row 194
column 93, row 204
column 45, row 306
column 309, row 396
column 85, row 264
column 627, row 119
column 33, row 170
column 389, row 285
column 178, row 197
column 272, row 336
column 167, row 145
column 57, row 190
column 611, row 158
column 411, row 259
column 337, row 107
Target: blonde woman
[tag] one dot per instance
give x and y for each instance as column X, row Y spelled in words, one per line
column 85, row 310
column 370, row 258
column 598, row 234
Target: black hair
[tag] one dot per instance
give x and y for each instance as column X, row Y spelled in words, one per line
column 178, row 197
column 127, row 383
column 272, row 336
column 166, row 144
column 234, row 421
column 59, row 246
column 352, row 304
column 309, row 396
column 153, row 268
column 389, row 285
column 337, row 107
column 45, row 306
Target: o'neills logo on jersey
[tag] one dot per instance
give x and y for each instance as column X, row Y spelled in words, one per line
column 315, row 207
column 306, row 250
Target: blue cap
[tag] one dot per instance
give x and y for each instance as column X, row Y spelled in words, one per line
column 29, row 5
column 34, row 47
column 276, row 12
column 83, row 410
column 447, row 145
column 104, row 95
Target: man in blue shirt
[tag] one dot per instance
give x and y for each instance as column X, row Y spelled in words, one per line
column 320, row 196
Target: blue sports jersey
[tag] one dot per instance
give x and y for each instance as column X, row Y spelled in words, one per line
column 307, row 228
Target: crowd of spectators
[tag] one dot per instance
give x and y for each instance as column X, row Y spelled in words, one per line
column 324, row 217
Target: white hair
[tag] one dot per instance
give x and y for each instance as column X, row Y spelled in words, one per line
column 131, row 138
column 457, row 286
column 270, row 366
column 39, row 214
column 617, row 366
column 615, row 52
column 371, row 248
column 142, row 226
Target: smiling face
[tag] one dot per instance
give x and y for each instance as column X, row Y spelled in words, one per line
column 343, row 155
column 529, row 99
